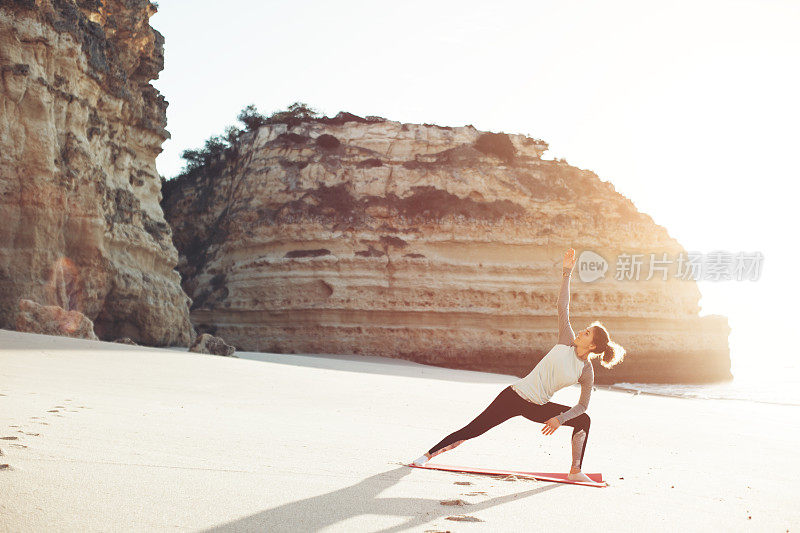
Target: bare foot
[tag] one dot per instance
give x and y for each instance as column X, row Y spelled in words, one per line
column 579, row 476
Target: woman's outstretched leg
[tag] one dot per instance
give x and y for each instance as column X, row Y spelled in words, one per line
column 503, row 407
column 445, row 449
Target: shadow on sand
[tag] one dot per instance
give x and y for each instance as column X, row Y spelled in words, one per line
column 318, row 512
column 372, row 364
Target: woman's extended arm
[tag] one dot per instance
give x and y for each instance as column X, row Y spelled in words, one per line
column 565, row 333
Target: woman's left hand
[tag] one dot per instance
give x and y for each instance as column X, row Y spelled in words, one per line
column 550, row 426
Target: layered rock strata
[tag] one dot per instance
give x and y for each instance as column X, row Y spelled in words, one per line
column 440, row 245
column 80, row 129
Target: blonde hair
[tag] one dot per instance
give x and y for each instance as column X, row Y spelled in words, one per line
column 610, row 352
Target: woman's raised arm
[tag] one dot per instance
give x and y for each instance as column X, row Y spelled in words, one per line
column 565, row 333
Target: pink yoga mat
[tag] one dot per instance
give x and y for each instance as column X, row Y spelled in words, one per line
column 542, row 476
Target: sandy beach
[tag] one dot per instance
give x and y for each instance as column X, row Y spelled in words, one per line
column 106, row 437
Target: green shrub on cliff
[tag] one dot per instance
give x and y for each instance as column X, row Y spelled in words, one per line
column 251, row 118
column 213, row 148
column 297, row 113
column 232, row 134
column 217, row 145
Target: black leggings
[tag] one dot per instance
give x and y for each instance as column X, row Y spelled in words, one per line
column 509, row 404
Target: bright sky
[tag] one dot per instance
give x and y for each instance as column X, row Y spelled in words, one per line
column 691, row 109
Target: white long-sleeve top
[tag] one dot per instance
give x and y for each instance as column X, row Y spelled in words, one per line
column 561, row 367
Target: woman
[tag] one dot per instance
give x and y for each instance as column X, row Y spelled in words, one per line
column 567, row 363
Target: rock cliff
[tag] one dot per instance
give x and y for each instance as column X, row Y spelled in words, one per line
column 80, row 129
column 442, row 245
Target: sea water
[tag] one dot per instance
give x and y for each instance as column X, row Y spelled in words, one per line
column 778, row 384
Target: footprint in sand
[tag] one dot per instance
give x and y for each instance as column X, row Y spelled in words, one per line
column 464, row 518
column 453, row 502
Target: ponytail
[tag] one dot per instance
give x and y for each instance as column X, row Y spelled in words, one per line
column 610, row 353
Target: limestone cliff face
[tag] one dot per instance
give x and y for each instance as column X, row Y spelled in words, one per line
column 415, row 241
column 80, row 128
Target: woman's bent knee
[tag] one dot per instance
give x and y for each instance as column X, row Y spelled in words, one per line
column 583, row 421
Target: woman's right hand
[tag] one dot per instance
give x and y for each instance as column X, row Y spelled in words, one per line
column 569, row 258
